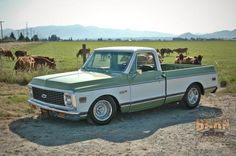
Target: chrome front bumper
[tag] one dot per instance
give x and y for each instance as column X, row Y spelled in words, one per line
column 46, row 107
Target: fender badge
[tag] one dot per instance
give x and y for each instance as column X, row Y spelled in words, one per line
column 123, row 91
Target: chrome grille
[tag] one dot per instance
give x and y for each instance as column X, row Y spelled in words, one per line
column 48, row 96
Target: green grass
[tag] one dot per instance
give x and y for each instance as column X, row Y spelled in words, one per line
column 221, row 54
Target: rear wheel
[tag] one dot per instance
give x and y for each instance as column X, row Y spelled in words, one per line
column 192, row 96
column 102, row 110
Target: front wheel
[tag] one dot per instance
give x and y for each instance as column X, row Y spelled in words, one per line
column 192, row 96
column 102, row 110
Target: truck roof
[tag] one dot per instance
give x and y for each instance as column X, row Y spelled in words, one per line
column 125, row 49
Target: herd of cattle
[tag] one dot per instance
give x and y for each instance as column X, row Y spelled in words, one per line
column 181, row 58
column 25, row 62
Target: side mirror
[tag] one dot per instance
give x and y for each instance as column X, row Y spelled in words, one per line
column 139, row 71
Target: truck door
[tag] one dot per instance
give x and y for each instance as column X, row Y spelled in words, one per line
column 147, row 84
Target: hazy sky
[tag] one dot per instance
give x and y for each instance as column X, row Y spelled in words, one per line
column 171, row 16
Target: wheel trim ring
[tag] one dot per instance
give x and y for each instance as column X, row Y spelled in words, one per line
column 193, row 96
column 102, row 110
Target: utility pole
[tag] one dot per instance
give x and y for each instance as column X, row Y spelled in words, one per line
column 31, row 33
column 26, row 29
column 1, row 29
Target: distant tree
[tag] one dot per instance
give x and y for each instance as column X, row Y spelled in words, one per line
column 8, row 39
column 54, row 38
column 21, row 37
column 100, row 39
column 12, row 36
column 35, row 38
column 27, row 39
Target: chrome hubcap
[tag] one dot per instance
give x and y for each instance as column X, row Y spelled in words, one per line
column 102, row 110
column 193, row 96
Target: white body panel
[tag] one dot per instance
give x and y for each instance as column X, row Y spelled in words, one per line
column 179, row 85
column 147, row 91
column 122, row 94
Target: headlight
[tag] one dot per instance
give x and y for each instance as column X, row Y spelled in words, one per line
column 69, row 100
column 30, row 92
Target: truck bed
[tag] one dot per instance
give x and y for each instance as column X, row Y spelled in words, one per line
column 166, row 67
column 183, row 70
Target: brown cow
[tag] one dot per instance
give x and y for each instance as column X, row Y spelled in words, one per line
column 188, row 60
column 6, row 53
column 198, row 59
column 193, row 60
column 19, row 53
column 164, row 51
column 50, row 59
column 180, row 59
column 181, row 50
column 41, row 61
column 1, row 52
column 24, row 63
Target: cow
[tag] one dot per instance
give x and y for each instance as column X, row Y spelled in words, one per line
column 6, row 53
column 180, row 59
column 164, row 51
column 50, row 59
column 193, row 60
column 24, row 63
column 1, row 52
column 41, row 61
column 181, row 50
column 198, row 59
column 19, row 53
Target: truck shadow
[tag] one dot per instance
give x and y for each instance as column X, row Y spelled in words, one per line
column 125, row 127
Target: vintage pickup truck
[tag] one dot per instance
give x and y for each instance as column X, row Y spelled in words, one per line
column 120, row 79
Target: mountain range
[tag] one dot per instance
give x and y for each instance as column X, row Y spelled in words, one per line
column 93, row 32
column 225, row 34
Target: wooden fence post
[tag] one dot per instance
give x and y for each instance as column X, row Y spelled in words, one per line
column 84, row 51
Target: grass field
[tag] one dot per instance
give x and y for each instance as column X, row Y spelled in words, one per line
column 222, row 54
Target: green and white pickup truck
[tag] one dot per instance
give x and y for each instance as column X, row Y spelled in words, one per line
column 120, row 79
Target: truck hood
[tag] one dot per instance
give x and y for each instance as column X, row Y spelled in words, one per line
column 78, row 80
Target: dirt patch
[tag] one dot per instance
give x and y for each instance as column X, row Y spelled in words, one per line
column 168, row 130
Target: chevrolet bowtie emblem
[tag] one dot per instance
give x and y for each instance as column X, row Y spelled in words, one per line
column 44, row 96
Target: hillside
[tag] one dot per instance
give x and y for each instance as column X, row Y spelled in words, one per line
column 90, row 32
column 225, row 34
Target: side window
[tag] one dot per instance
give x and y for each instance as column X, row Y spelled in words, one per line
column 146, row 61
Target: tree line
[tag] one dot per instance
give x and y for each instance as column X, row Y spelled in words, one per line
column 22, row 38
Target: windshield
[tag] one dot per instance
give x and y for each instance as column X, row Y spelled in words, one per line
column 108, row 61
